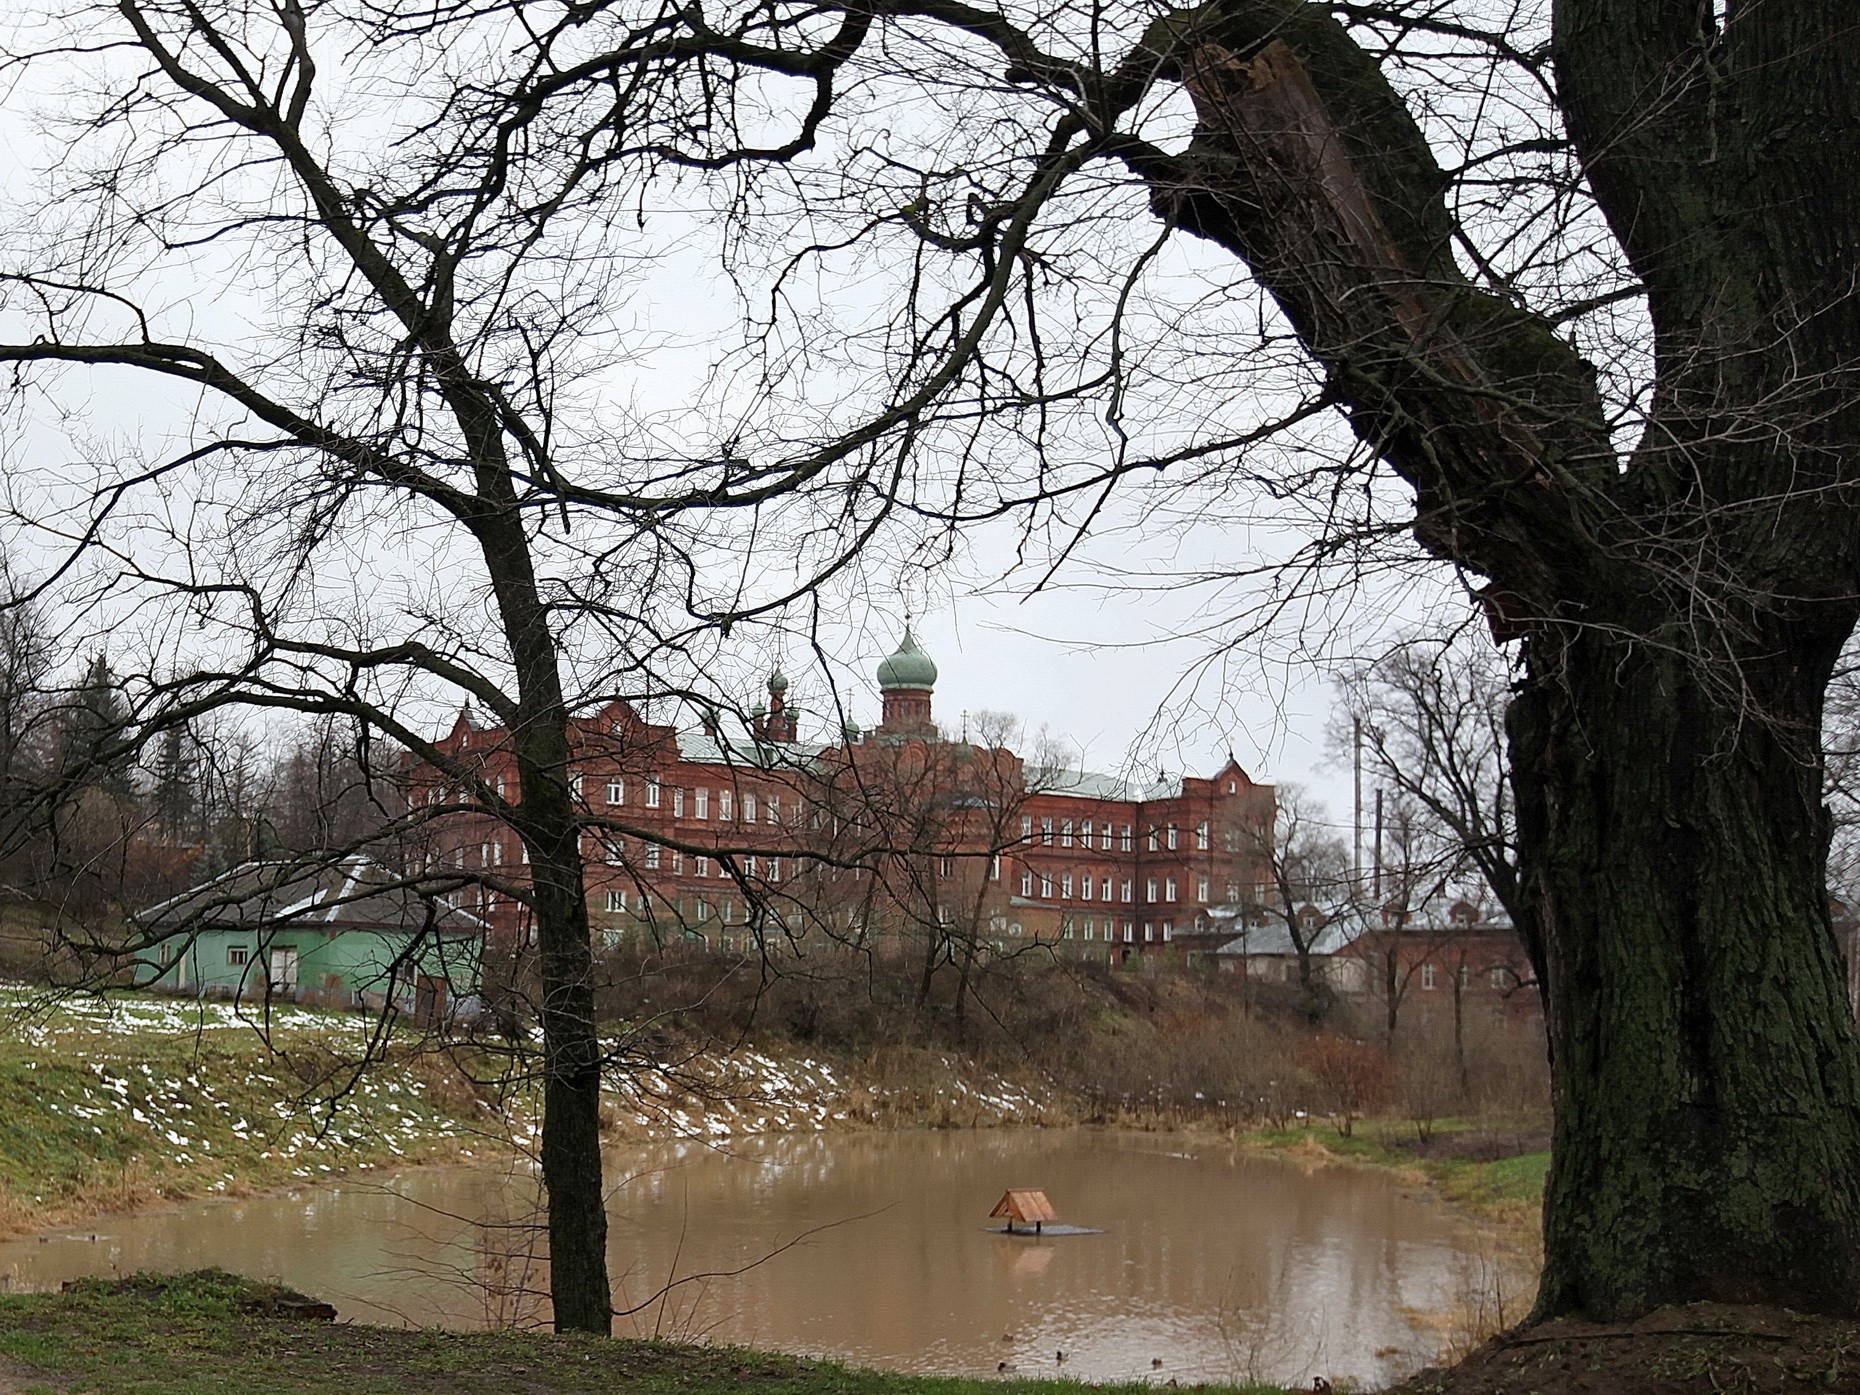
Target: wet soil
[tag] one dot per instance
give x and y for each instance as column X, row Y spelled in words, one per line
column 1700, row 1349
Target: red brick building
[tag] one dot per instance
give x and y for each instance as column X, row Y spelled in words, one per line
column 901, row 836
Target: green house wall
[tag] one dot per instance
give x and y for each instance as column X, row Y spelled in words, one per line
column 330, row 964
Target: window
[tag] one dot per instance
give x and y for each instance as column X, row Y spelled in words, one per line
column 1128, row 889
column 652, row 791
column 574, row 784
column 1026, row 883
column 1065, row 886
column 678, row 804
column 774, row 808
column 616, row 792
column 1085, row 834
column 1201, row 835
column 1150, row 891
column 1155, row 838
column 1233, row 787
column 947, row 867
column 1046, row 886
column 1104, row 838
column 1499, row 975
column 1171, row 837
column 1124, row 836
column 1065, row 834
column 1046, row 831
column 1107, row 888
column 774, row 869
column 1149, row 932
column 498, row 786
column 701, row 867
column 1130, row 931
column 725, row 911
column 616, row 901
column 652, row 856
column 749, row 865
column 1427, row 976
column 484, row 854
column 1086, row 882
column 1169, row 888
column 1090, row 927
column 703, row 910
column 1168, row 930
column 1026, row 826
column 616, row 851
column 702, row 799
column 749, row 806
column 1201, row 890
column 994, row 868
column 236, row 954
column 723, row 805
column 1065, row 932
column 678, row 863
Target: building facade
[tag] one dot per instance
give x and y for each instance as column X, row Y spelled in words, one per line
column 900, row 837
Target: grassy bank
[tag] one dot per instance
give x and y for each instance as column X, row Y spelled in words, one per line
column 1456, row 1161
column 191, row 1334
column 107, row 1104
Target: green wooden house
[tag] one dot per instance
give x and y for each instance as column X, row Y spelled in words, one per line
column 345, row 933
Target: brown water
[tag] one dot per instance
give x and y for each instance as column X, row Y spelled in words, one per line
column 1217, row 1263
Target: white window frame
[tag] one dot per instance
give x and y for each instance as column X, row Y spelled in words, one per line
column 678, row 802
column 701, row 804
column 616, row 793
column 652, row 857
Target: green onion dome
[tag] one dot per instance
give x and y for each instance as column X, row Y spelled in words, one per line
column 909, row 667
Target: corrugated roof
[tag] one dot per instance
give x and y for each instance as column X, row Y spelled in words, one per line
column 700, row 748
column 351, row 893
column 1090, row 784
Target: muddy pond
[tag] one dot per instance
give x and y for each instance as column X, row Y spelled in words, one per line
column 1218, row 1264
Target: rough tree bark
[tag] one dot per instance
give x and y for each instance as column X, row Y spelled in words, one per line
column 1683, row 608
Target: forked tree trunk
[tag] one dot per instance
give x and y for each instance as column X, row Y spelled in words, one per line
column 1707, row 1134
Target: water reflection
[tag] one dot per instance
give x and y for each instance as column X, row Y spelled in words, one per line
column 1217, row 1263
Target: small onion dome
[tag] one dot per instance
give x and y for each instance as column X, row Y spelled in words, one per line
column 758, row 711
column 910, row 667
column 850, row 730
column 778, row 682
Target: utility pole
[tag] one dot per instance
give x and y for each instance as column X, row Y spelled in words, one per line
column 1356, row 841
column 1378, row 880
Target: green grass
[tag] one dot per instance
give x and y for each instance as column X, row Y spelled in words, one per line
column 198, row 1334
column 1509, row 1190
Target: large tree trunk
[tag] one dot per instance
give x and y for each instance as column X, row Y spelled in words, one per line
column 571, row 1139
column 1707, row 1135
column 1683, row 607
